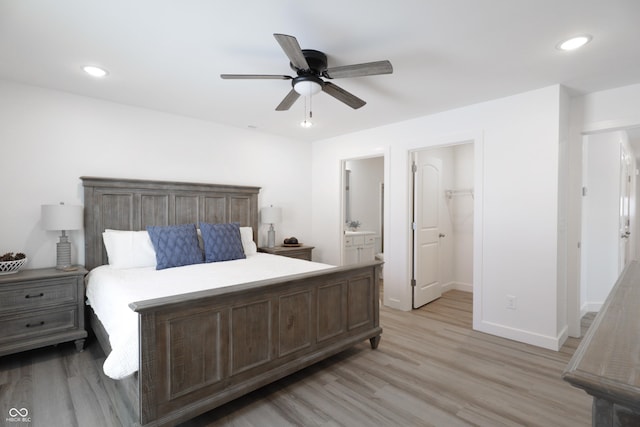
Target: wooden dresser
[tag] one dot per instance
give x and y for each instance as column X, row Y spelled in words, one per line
column 606, row 364
column 300, row 252
column 41, row 307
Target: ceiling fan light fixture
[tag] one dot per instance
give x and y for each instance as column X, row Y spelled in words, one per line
column 307, row 87
column 306, row 124
column 574, row 42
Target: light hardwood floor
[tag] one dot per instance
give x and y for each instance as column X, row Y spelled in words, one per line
column 430, row 369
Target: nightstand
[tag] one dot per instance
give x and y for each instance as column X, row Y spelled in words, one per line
column 41, row 307
column 300, row 252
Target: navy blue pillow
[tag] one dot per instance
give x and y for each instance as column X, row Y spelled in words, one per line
column 222, row 242
column 175, row 245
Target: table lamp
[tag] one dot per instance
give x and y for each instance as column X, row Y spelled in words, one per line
column 270, row 215
column 62, row 218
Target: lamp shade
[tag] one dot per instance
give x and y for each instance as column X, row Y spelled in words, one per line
column 62, row 217
column 270, row 215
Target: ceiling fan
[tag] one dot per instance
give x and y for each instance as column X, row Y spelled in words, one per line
column 311, row 67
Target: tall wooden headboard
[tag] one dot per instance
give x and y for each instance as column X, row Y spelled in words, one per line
column 130, row 204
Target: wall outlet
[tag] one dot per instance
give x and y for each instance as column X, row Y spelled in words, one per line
column 511, row 302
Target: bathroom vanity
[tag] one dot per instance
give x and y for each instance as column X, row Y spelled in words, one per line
column 359, row 246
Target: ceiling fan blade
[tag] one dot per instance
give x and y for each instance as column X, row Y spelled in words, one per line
column 357, row 70
column 255, row 76
column 293, row 51
column 288, row 101
column 342, row 95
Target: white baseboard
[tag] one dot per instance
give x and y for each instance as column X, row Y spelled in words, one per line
column 520, row 335
column 457, row 286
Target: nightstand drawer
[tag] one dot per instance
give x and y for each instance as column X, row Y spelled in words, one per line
column 44, row 322
column 40, row 294
column 300, row 252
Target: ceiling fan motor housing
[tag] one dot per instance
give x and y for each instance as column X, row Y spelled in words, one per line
column 317, row 62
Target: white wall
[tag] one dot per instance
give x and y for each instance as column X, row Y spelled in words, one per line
column 462, row 216
column 516, row 152
column 609, row 109
column 49, row 139
column 564, row 183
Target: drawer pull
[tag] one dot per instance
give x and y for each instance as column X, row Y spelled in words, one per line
column 35, row 296
column 30, row 325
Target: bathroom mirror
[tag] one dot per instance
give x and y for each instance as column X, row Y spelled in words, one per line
column 363, row 202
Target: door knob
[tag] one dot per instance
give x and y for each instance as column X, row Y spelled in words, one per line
column 441, row 235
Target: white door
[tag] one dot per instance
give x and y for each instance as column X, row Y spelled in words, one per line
column 426, row 259
column 625, row 204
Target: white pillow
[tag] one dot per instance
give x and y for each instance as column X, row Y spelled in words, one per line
column 249, row 246
column 129, row 249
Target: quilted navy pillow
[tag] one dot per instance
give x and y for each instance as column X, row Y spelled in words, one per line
column 175, row 245
column 222, row 242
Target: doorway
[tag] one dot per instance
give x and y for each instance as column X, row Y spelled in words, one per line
column 608, row 214
column 363, row 209
column 442, row 221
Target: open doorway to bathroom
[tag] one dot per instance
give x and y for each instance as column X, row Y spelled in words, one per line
column 443, row 221
column 363, row 213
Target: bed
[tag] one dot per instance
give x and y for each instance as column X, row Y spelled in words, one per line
column 201, row 349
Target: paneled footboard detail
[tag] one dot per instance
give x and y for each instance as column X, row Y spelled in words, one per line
column 201, row 350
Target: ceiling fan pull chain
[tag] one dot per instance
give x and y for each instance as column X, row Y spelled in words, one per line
column 305, row 108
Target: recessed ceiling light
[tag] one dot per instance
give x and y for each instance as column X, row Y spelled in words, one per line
column 94, row 71
column 574, row 42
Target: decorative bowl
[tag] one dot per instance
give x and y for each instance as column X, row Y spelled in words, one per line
column 10, row 267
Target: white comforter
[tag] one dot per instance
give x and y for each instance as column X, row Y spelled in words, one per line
column 110, row 291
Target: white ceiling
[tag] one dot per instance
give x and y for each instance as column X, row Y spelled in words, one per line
column 167, row 55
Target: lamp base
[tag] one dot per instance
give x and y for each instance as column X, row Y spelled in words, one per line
column 271, row 237
column 63, row 253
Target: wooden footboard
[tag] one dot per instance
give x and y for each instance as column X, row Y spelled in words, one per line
column 201, row 350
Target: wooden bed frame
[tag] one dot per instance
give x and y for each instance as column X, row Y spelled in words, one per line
column 203, row 349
